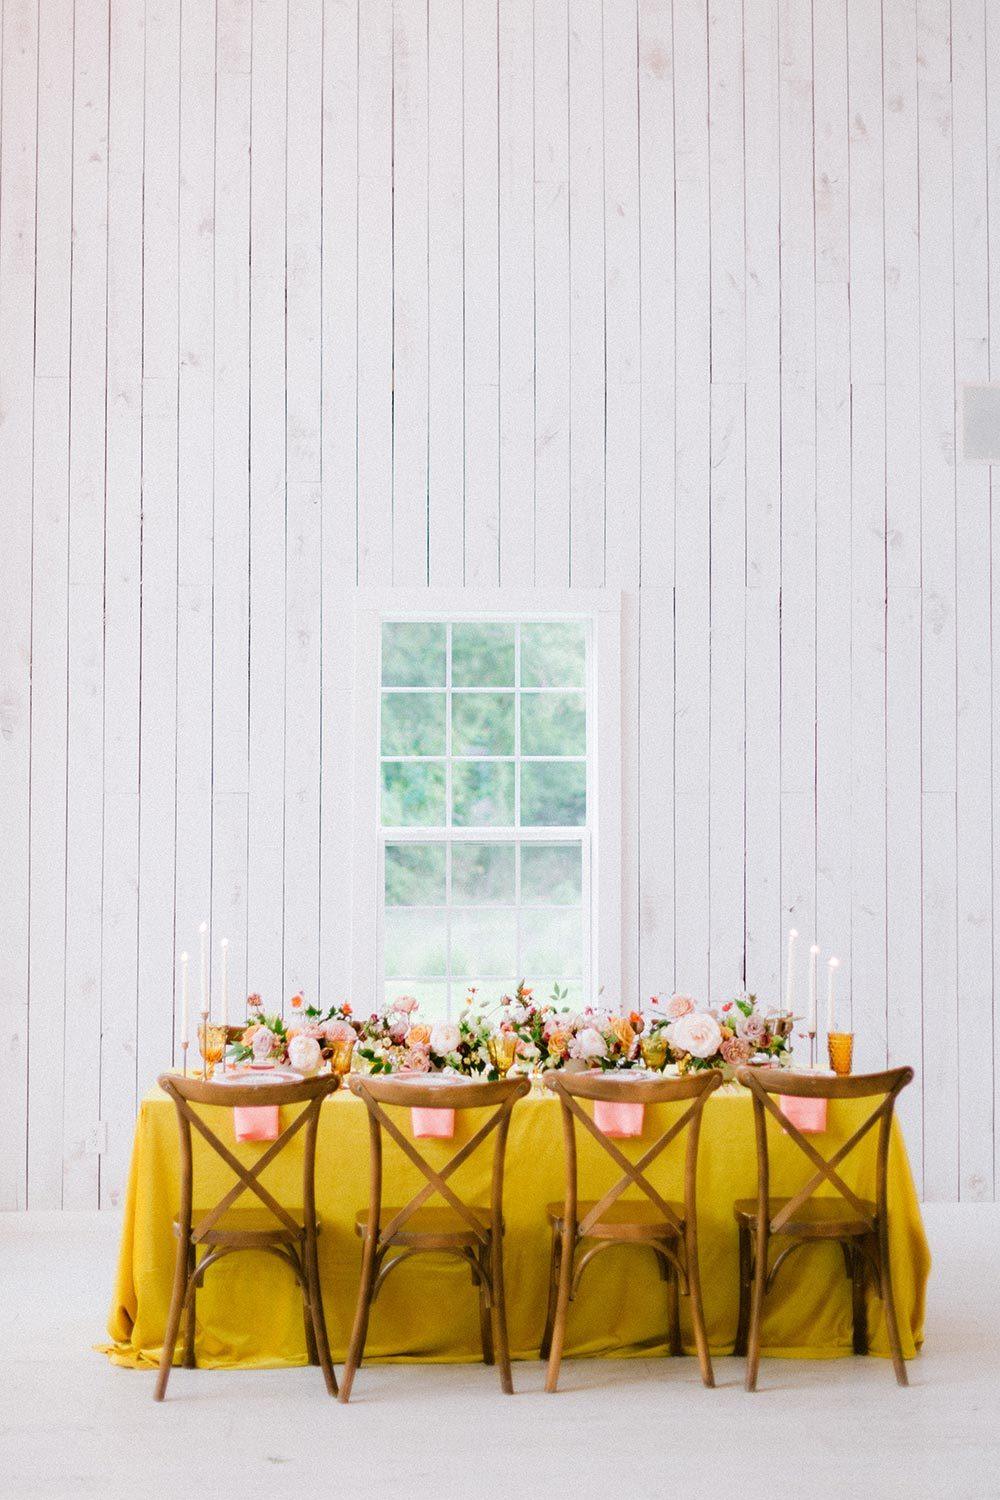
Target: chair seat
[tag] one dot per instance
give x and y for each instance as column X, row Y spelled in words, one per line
column 249, row 1228
column 816, row 1219
column 623, row 1220
column 437, row 1224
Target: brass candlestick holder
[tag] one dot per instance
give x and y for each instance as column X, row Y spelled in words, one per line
column 184, row 1055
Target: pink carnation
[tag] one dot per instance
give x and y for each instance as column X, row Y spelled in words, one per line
column 404, row 1003
column 735, row 1051
column 418, row 1059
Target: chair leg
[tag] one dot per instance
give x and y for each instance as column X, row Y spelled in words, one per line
column 889, row 1303
column 173, row 1320
column 562, row 1312
column 359, row 1332
column 756, row 1308
column 697, row 1311
column 485, row 1314
column 859, row 1310
column 320, row 1342
column 498, row 1308
column 674, row 1308
column 192, row 1267
column 743, row 1320
column 550, row 1307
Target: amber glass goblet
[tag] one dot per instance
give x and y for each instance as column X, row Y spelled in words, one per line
column 502, row 1047
column 840, row 1046
column 212, row 1045
column 654, row 1051
column 341, row 1056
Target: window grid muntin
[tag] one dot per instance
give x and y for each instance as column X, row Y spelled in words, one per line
column 450, row 833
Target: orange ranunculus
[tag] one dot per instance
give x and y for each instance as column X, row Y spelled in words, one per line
column 296, row 1002
column 636, row 1021
column 346, row 1009
column 418, row 1035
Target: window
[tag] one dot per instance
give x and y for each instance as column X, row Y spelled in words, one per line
column 484, row 826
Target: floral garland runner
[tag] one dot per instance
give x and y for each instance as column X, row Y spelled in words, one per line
column 673, row 1034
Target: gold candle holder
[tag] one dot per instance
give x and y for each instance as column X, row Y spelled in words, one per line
column 840, row 1047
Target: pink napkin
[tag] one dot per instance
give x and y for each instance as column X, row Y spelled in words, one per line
column 434, row 1124
column 619, row 1120
column 808, row 1114
column 258, row 1122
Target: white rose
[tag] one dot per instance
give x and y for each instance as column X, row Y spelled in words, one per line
column 445, row 1038
column 304, row 1055
column 588, row 1044
column 697, row 1033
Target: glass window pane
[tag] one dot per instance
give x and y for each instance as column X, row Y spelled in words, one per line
column 553, row 793
column 544, row 990
column 413, row 792
column 413, row 723
column 416, row 941
column 554, row 654
column 430, row 994
column 482, row 873
column 482, row 655
column 552, row 942
column 551, row 874
column 482, row 793
column 413, row 655
column 482, row 724
column 483, row 941
column 488, row 991
column 414, row 875
column 553, row 724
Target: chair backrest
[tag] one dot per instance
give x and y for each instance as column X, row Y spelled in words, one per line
column 185, row 1092
column 571, row 1087
column 376, row 1092
column 765, row 1084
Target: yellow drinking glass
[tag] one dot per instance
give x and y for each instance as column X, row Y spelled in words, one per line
column 340, row 1057
column 502, row 1047
column 654, row 1050
column 840, row 1046
column 212, row 1045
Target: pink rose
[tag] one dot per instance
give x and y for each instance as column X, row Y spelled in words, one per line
column 679, row 1005
column 418, row 1059
column 338, row 1031
column 696, row 1032
column 397, row 1032
column 750, row 1029
column 404, row 1003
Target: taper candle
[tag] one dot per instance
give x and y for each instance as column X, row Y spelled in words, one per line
column 224, row 1018
column 813, row 958
column 832, row 966
column 203, row 931
column 790, row 979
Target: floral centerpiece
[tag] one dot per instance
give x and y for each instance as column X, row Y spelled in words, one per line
column 730, row 1037
column 270, row 1038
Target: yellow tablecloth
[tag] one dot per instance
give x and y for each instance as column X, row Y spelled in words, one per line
column 249, row 1312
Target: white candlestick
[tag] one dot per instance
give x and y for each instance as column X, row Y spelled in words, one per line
column 832, row 966
column 224, row 945
column 790, row 979
column 813, row 958
column 203, row 930
column 184, row 997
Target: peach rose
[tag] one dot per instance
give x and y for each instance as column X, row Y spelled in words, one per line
column 418, row 1036
column 417, row 1059
column 679, row 1005
column 622, row 1031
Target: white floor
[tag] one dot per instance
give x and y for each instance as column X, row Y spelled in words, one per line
column 70, row 1424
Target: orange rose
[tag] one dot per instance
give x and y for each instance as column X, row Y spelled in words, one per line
column 557, row 1043
column 418, row 1036
column 296, row 1002
column 346, row 1009
column 622, row 1031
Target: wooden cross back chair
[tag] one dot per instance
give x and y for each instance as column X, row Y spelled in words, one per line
column 860, row 1227
column 581, row 1230
column 392, row 1235
column 289, row 1234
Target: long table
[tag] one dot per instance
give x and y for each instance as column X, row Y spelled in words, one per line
column 249, row 1310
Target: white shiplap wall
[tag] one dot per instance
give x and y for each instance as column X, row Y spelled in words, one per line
column 670, row 296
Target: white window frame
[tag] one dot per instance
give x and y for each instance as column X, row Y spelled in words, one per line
column 601, row 609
